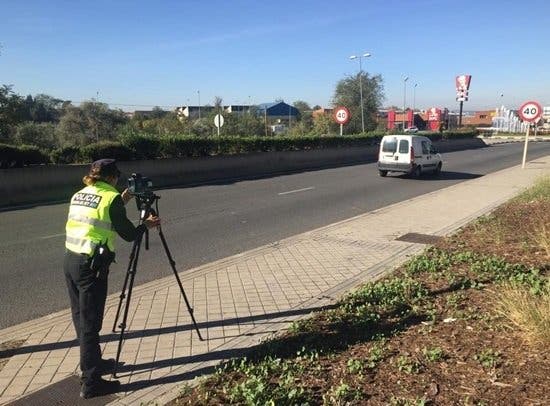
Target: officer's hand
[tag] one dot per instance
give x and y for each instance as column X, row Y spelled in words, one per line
column 152, row 221
column 126, row 196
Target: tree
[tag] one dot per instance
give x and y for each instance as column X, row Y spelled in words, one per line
column 157, row 112
column 323, row 124
column 243, row 124
column 43, row 108
column 40, row 134
column 91, row 122
column 12, row 112
column 302, row 106
column 347, row 93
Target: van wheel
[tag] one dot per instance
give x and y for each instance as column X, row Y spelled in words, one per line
column 383, row 173
column 417, row 172
column 437, row 171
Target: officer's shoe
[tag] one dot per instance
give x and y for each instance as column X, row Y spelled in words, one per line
column 99, row 387
column 106, row 366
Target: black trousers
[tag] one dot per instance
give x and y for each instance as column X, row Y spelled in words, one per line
column 87, row 292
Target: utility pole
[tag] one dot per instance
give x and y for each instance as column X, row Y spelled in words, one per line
column 404, row 99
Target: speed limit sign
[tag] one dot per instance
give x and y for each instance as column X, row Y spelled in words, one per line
column 341, row 115
column 530, row 111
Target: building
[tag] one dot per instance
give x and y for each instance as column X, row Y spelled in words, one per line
column 278, row 110
column 193, row 112
column 237, row 108
column 479, row 118
column 433, row 119
column 321, row 112
column 545, row 118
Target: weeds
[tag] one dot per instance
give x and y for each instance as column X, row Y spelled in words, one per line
column 408, row 364
column 342, row 395
column 488, row 358
column 355, row 366
column 376, row 354
column 395, row 401
column 433, row 354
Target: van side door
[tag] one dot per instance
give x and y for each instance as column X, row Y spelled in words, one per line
column 429, row 162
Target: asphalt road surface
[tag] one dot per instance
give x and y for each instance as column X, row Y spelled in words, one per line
column 210, row 222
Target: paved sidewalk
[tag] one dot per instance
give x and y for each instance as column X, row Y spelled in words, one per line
column 243, row 299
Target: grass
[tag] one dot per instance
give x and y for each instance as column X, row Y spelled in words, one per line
column 542, row 237
column 526, row 311
column 539, row 191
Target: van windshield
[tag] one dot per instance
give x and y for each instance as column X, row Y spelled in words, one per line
column 389, row 145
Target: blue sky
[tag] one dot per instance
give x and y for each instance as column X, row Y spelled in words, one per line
column 165, row 52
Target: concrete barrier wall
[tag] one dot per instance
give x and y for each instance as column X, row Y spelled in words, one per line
column 52, row 183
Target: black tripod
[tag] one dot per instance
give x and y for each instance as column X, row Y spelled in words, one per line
column 144, row 204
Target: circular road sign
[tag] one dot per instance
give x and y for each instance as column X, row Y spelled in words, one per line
column 341, row 115
column 530, row 111
column 218, row 120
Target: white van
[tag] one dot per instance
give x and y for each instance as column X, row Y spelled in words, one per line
column 412, row 154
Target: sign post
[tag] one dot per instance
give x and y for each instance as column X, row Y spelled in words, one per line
column 341, row 116
column 218, row 122
column 530, row 111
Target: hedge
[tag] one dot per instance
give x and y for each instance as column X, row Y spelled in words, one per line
column 17, row 156
column 140, row 146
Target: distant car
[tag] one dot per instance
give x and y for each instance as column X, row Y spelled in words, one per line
column 411, row 130
column 411, row 154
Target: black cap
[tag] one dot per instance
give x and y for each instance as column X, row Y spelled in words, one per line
column 107, row 167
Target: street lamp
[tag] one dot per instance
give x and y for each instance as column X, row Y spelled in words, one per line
column 414, row 99
column 365, row 55
column 404, row 98
column 199, row 93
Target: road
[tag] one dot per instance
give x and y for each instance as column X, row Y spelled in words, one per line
column 210, row 222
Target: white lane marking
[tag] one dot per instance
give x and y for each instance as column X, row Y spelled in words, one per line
column 296, row 191
column 51, row 236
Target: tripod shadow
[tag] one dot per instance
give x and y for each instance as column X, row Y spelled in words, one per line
column 283, row 347
column 179, row 361
column 267, row 318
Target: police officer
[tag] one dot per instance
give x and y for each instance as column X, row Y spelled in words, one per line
column 96, row 215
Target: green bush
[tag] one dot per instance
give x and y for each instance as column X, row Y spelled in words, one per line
column 134, row 145
column 105, row 149
column 8, row 155
column 65, row 155
column 32, row 155
column 142, row 146
column 186, row 146
column 457, row 134
column 12, row 156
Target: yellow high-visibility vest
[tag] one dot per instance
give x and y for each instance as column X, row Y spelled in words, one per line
column 89, row 222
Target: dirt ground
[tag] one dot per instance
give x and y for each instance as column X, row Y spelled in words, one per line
column 465, row 353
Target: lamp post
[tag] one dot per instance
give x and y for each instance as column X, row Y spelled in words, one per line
column 414, row 99
column 365, row 55
column 199, row 93
column 404, row 98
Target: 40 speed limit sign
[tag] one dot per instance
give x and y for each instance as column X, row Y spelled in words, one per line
column 530, row 111
column 341, row 115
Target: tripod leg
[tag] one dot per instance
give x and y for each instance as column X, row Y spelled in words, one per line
column 132, row 275
column 173, row 265
column 123, row 291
